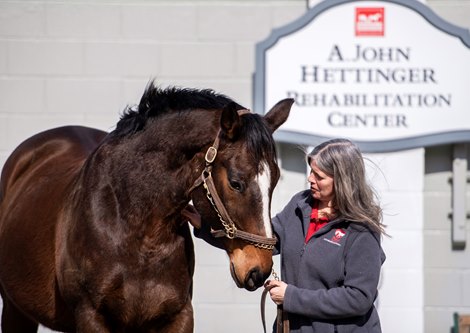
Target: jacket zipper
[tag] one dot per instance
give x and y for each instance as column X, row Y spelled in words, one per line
column 303, row 250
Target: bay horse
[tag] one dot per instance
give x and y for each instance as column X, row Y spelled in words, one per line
column 92, row 235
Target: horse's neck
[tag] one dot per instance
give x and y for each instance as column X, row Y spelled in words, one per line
column 147, row 176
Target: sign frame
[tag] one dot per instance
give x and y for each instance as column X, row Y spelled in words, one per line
column 289, row 136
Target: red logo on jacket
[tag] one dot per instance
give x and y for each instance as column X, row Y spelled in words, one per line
column 339, row 233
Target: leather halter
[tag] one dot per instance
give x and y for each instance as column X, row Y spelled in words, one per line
column 230, row 230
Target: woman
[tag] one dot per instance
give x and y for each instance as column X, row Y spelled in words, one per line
column 329, row 241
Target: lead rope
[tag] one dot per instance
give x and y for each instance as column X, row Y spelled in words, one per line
column 282, row 322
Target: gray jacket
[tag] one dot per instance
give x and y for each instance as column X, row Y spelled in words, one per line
column 332, row 280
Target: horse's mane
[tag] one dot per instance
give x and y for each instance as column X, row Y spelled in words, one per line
column 157, row 102
column 258, row 138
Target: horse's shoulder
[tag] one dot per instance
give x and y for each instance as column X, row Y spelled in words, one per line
column 73, row 134
column 51, row 150
column 61, row 140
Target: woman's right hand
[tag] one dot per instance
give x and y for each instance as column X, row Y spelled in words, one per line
column 276, row 289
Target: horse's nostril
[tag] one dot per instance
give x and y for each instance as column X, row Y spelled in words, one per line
column 254, row 279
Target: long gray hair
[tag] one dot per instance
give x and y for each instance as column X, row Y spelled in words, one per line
column 354, row 199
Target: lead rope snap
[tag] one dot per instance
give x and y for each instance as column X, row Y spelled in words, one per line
column 274, row 274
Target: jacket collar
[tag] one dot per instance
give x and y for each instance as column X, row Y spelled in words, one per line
column 305, row 205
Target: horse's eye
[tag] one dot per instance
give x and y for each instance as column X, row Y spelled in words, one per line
column 236, row 185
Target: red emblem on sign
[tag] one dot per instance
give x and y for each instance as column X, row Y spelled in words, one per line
column 370, row 21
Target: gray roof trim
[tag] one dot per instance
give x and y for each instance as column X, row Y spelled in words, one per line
column 380, row 146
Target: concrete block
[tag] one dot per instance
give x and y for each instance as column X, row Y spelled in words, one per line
column 208, row 255
column 163, row 22
column 45, row 58
column 388, row 172
column 438, row 251
column 456, row 12
column 402, row 210
column 402, row 319
column 214, row 284
column 233, row 22
column 465, row 278
column 132, row 90
column 442, row 287
column 437, row 206
column 439, row 181
column 22, row 19
column 237, row 89
column 197, row 60
column 83, row 96
column 286, row 13
column 21, row 95
column 122, row 59
column 21, row 127
column 3, row 158
column 245, row 59
column 79, row 20
column 231, row 318
column 438, row 320
column 401, row 287
column 403, row 249
column 104, row 122
column 3, row 56
column 3, row 134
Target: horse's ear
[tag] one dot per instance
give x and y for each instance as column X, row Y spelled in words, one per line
column 230, row 121
column 279, row 113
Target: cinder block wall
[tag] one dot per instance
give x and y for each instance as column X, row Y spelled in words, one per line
column 81, row 62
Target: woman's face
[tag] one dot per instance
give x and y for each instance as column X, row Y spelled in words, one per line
column 321, row 184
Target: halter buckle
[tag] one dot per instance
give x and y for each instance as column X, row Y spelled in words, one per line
column 210, row 155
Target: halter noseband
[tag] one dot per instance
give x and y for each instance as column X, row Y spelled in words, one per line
column 230, row 230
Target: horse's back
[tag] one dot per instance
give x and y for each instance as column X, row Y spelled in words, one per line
column 68, row 145
column 33, row 186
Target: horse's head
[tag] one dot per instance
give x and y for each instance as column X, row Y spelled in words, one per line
column 240, row 175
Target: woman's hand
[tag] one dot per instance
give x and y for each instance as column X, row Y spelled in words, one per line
column 192, row 215
column 277, row 289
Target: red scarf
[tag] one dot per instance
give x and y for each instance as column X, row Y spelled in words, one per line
column 315, row 222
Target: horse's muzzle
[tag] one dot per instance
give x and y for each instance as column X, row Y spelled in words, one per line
column 255, row 279
column 250, row 266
